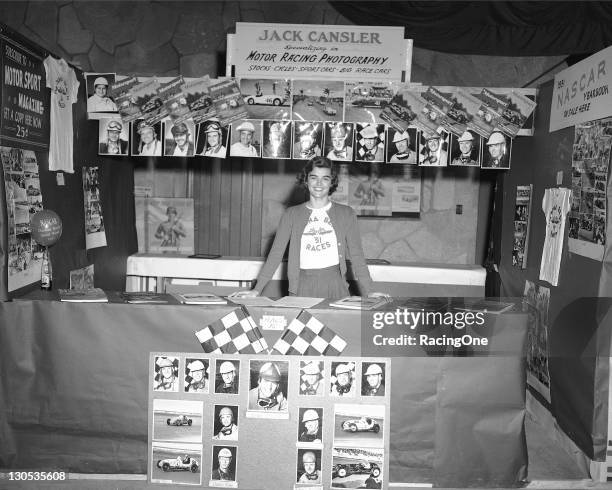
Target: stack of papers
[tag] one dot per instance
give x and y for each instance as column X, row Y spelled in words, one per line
column 359, row 303
column 256, row 301
column 92, row 295
column 145, row 298
column 200, row 299
column 297, row 302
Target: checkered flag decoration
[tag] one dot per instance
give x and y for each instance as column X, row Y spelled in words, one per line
column 307, row 336
column 236, row 332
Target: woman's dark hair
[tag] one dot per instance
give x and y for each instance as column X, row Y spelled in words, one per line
column 320, row 162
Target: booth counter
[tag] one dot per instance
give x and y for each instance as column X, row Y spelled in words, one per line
column 151, row 272
column 75, row 384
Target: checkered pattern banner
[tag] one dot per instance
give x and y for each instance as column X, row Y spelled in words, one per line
column 307, row 336
column 236, row 332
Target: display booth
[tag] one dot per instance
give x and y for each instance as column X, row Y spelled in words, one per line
column 122, row 350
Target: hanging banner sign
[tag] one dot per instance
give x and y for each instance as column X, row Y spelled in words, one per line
column 24, row 122
column 583, row 92
column 320, row 52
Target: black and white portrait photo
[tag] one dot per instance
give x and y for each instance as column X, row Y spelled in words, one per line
column 402, row 146
column 227, row 376
column 268, row 386
column 113, row 137
column 309, row 466
column 307, row 140
column 98, row 92
column 146, row 139
column 224, row 464
column 277, row 139
column 310, row 429
column 225, row 425
column 166, row 373
column 197, row 375
column 312, row 376
column 497, row 151
column 212, row 139
column 434, row 148
column 466, row 149
column 339, row 141
column 369, row 143
column 246, row 138
column 373, row 378
column 343, row 381
column 179, row 139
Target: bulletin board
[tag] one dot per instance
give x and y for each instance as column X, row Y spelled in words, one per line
column 267, row 448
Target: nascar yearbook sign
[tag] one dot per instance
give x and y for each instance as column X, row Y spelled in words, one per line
column 320, row 52
column 583, row 92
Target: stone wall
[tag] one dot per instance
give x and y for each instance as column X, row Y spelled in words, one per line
column 187, row 37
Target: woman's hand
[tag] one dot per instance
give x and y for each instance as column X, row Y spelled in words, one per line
column 251, row 293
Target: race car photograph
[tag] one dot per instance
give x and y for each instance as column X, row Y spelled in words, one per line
column 357, row 467
column 174, row 462
column 180, row 420
column 363, row 424
column 177, row 420
column 363, row 467
column 359, row 425
column 185, row 463
column 266, row 98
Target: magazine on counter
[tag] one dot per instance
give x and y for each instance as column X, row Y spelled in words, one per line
column 200, row 299
column 359, row 303
column 146, row 298
column 92, row 295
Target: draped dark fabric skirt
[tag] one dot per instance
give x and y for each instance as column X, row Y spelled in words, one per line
column 322, row 283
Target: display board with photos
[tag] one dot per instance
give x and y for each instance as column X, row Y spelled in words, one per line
column 536, row 299
column 590, row 167
column 386, row 121
column 289, row 421
column 522, row 225
column 23, row 199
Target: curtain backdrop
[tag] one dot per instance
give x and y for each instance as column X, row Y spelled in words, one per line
column 493, row 28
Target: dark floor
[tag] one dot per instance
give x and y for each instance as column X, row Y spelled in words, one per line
column 550, row 467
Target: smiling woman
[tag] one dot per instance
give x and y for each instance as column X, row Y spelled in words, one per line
column 321, row 235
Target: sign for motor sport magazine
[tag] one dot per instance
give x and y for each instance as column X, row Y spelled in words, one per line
column 582, row 92
column 319, row 52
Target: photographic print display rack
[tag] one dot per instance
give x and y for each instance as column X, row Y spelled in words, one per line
column 260, row 421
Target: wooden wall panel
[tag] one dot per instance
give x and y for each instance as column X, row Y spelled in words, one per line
column 246, row 224
column 228, row 201
column 257, row 199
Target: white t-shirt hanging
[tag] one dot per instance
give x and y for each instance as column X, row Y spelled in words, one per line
column 556, row 204
column 319, row 246
column 64, row 86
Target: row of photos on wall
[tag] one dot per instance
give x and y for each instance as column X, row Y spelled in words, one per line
column 423, row 122
column 271, row 139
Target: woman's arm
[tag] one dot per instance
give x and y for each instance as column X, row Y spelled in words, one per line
column 283, row 234
column 355, row 252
